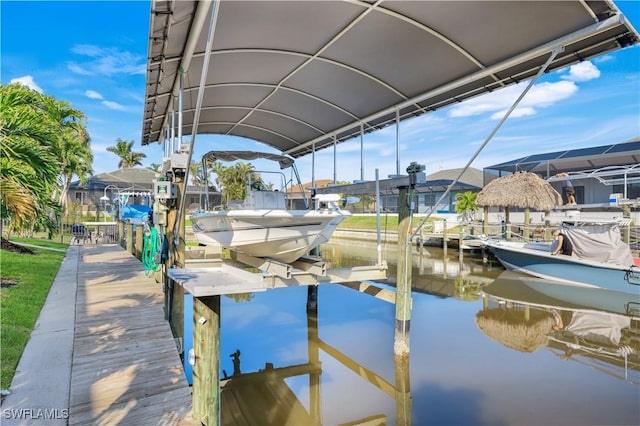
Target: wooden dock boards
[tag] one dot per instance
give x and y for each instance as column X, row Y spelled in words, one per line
column 125, row 366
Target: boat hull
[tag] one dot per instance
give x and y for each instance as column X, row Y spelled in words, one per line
column 524, row 288
column 282, row 235
column 565, row 269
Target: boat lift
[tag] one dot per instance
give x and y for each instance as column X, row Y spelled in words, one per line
column 227, row 279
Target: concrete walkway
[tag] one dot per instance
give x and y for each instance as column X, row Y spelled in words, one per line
column 85, row 363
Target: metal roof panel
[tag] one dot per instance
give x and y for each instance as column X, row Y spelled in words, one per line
column 313, row 71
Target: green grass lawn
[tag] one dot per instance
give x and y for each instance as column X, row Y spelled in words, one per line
column 387, row 221
column 26, row 282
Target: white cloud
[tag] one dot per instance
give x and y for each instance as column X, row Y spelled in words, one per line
column 518, row 112
column 582, row 71
column 106, row 61
column 86, row 50
column 93, row 94
column 547, row 94
column 77, row 69
column 113, row 105
column 27, row 80
column 541, row 95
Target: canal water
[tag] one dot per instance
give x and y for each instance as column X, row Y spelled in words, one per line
column 476, row 359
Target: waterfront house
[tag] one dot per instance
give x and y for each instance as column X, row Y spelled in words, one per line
column 603, row 177
column 129, row 185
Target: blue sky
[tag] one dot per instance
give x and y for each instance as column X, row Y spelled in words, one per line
column 93, row 55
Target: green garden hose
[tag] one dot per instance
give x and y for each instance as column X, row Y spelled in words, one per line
column 150, row 245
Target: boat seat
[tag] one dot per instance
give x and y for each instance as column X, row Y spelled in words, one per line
column 265, row 200
column 235, row 205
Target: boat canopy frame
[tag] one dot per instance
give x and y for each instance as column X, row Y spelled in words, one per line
column 284, row 161
column 301, row 76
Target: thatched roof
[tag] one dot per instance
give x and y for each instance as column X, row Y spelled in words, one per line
column 511, row 329
column 523, row 189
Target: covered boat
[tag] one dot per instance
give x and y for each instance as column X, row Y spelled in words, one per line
column 600, row 258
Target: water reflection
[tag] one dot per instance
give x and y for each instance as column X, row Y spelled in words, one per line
column 433, row 272
column 337, row 366
column 267, row 397
column 593, row 327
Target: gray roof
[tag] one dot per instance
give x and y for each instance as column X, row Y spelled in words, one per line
column 472, row 178
column 439, row 181
column 298, row 74
column 131, row 177
column 583, row 159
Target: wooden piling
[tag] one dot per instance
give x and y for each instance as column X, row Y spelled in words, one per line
column 445, row 239
column 547, row 225
column 460, row 240
column 507, row 221
column 121, row 234
column 139, row 240
column 403, row 286
column 527, row 224
column 485, row 221
column 402, row 391
column 130, row 237
column 312, row 298
column 175, row 233
column 626, row 232
column 315, row 407
column 206, row 345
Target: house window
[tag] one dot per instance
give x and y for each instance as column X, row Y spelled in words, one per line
column 633, row 190
column 78, row 198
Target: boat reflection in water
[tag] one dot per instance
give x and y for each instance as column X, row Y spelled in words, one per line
column 594, row 327
column 284, row 365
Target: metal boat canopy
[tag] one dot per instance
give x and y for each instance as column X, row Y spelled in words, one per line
column 303, row 75
column 283, row 160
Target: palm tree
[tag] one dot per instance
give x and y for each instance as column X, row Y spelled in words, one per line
column 27, row 160
column 195, row 173
column 466, row 204
column 155, row 167
column 71, row 145
column 232, row 180
column 128, row 158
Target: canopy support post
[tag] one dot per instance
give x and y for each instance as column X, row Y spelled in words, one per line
column 397, row 141
column 362, row 152
column 335, row 160
column 403, row 286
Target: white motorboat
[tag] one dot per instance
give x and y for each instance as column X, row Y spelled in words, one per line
column 261, row 225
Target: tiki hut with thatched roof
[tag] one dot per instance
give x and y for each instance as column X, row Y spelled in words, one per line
column 524, row 190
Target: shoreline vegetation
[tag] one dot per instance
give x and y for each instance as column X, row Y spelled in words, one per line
column 368, row 222
column 27, row 274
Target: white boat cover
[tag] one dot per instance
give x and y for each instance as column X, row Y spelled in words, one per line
column 601, row 243
column 598, row 326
